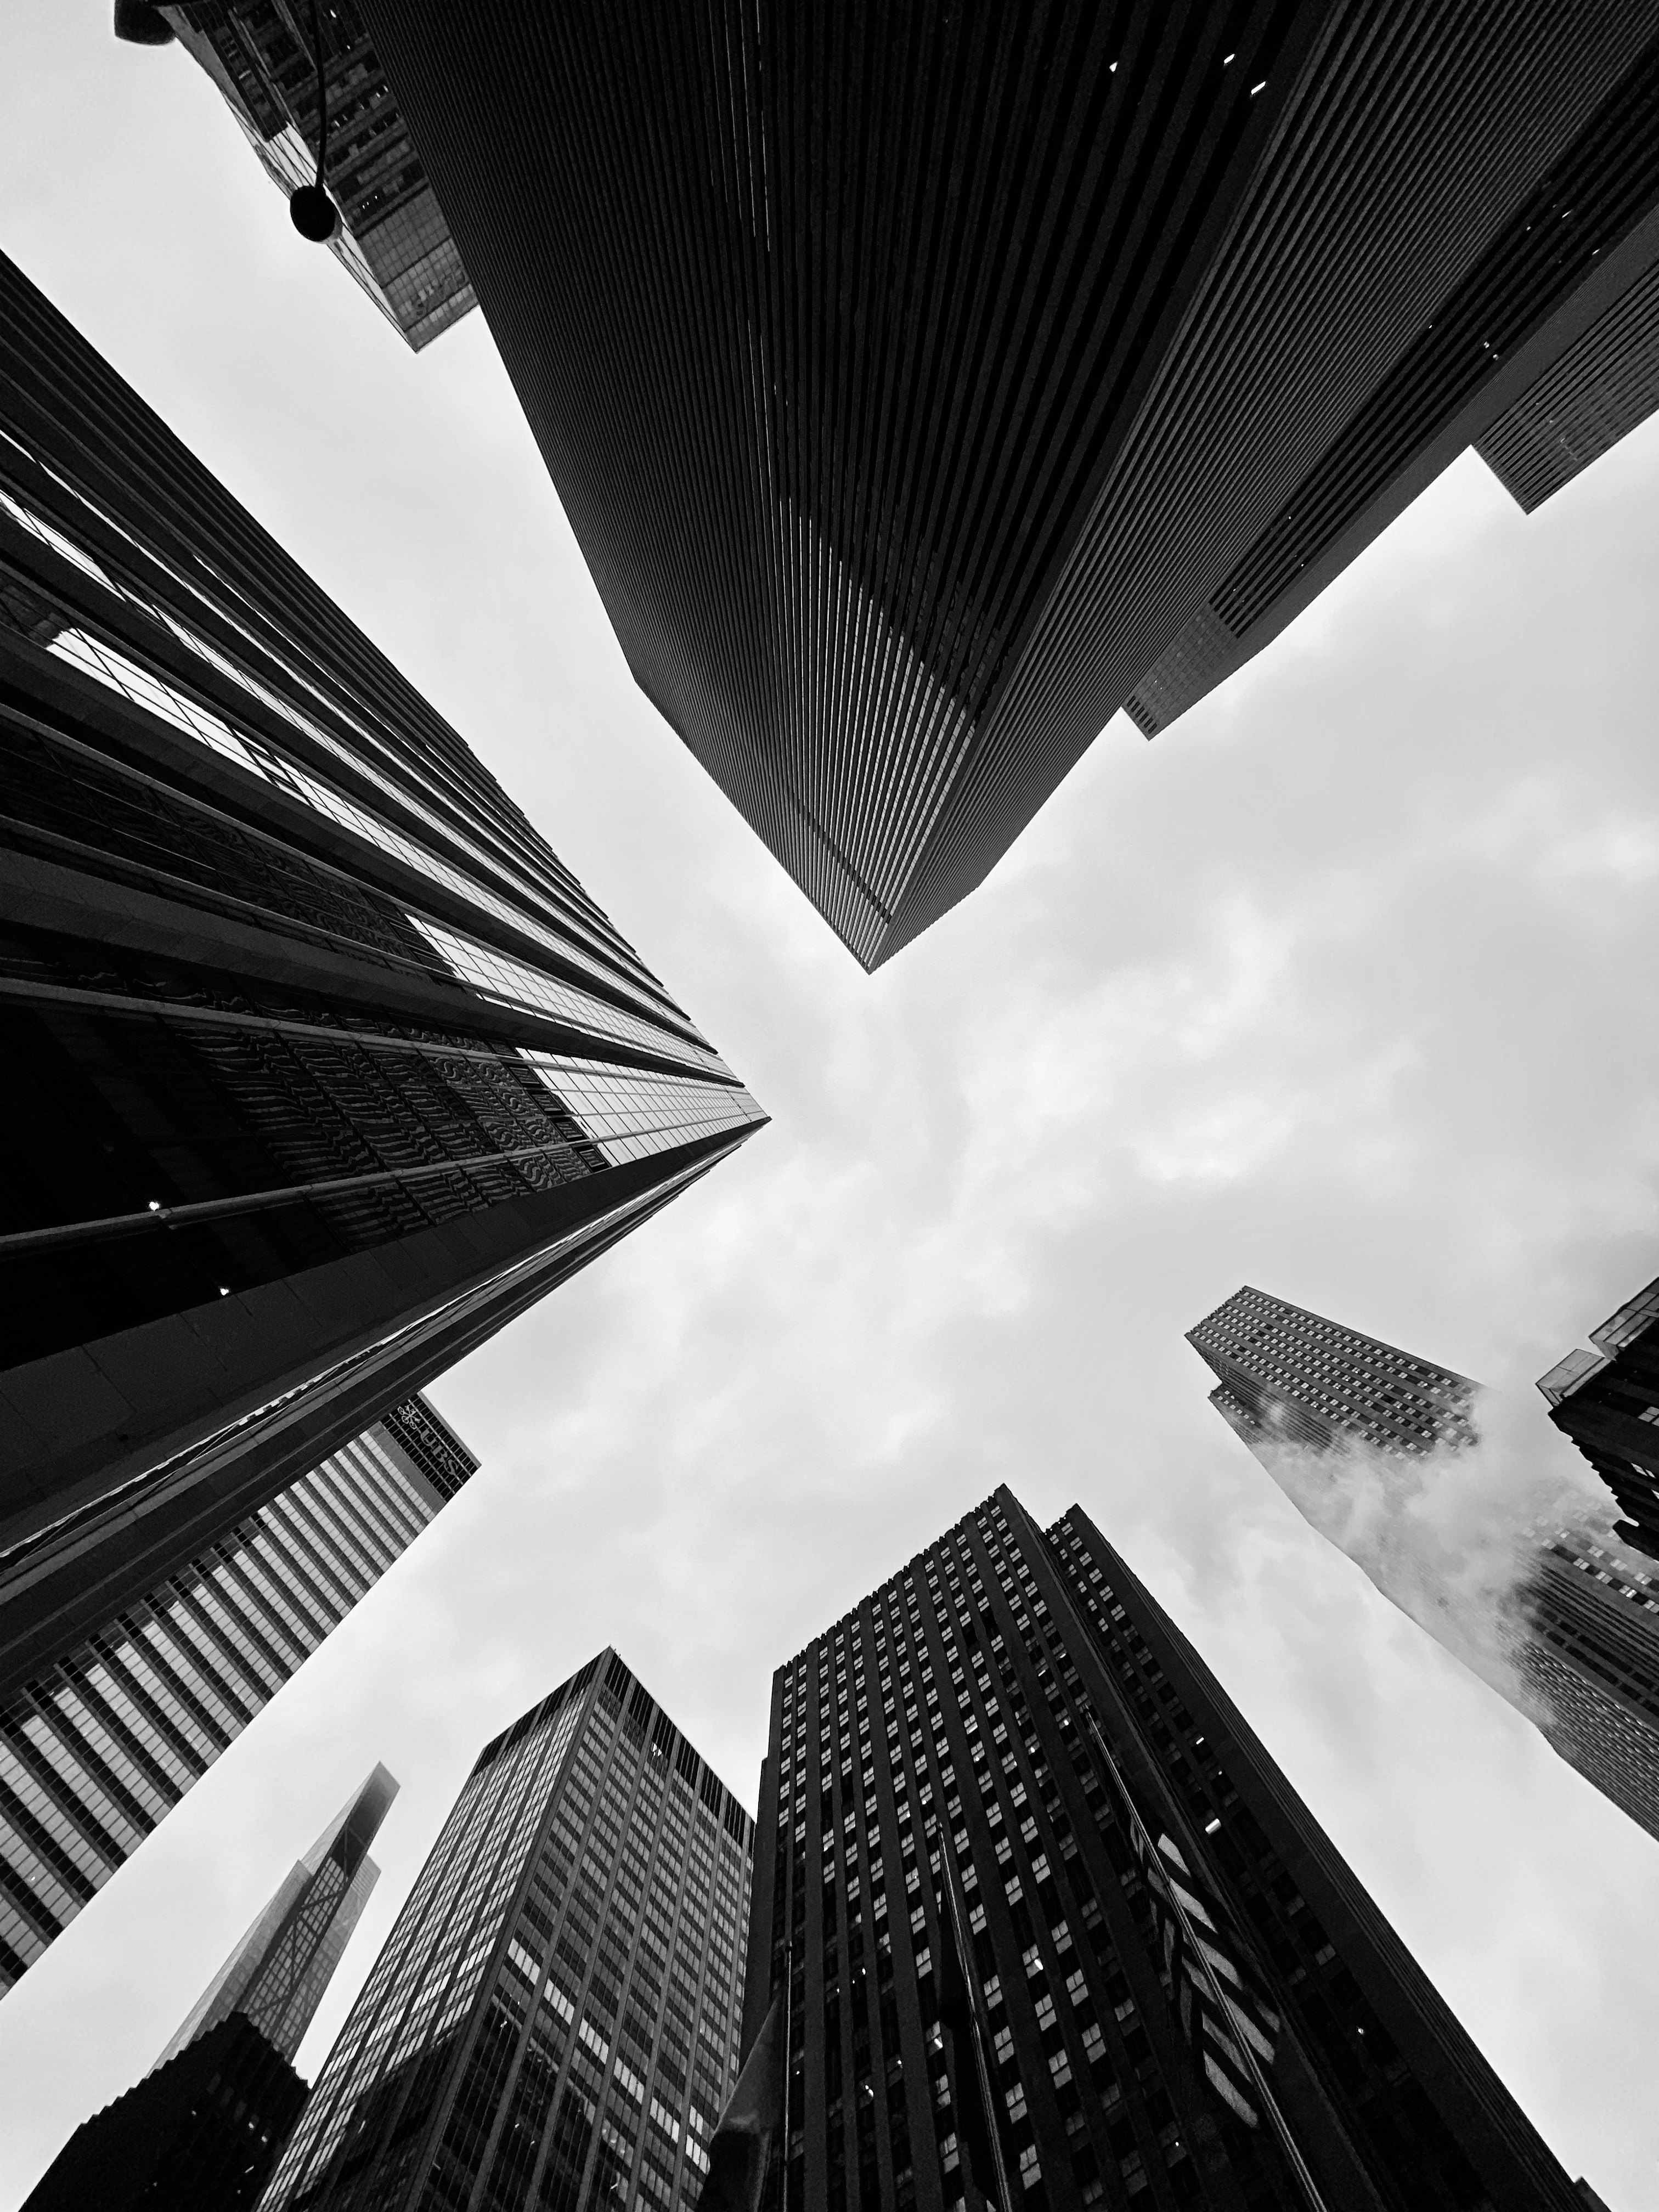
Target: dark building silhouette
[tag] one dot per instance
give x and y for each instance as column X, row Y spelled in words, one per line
column 1293, row 1376
column 1573, row 1637
column 1008, row 1756
column 323, row 1064
column 553, row 2020
column 97, row 1748
column 924, row 388
column 1607, row 1401
column 201, row 2132
column 392, row 237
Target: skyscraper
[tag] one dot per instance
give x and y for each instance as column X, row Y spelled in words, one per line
column 1607, row 1401
column 203, row 2128
column 323, row 1066
column 392, row 236
column 1572, row 1629
column 1289, row 1375
column 99, row 1746
column 279, row 1972
column 553, row 2022
column 1007, row 1769
column 922, row 390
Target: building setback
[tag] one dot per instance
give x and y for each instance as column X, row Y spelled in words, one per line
column 1607, row 1401
column 392, row 236
column 1579, row 1626
column 1010, row 1749
column 553, row 2020
column 204, row 2126
column 924, row 388
column 325, row 1066
column 98, row 1747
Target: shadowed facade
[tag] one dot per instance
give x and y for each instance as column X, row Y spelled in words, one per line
column 923, row 385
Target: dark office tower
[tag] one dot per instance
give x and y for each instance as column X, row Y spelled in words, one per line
column 278, row 1974
column 1554, row 1620
column 392, row 236
column 553, row 2022
column 323, row 1066
column 924, row 385
column 1008, row 1757
column 99, row 1746
column 204, row 2127
column 1607, row 1401
column 1294, row 1377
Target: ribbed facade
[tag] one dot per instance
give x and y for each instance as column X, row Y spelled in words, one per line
column 98, row 1748
column 1599, row 391
column 1303, row 1380
column 553, row 2022
column 392, row 236
column 324, row 1065
column 918, row 382
column 979, row 1756
column 1607, row 1401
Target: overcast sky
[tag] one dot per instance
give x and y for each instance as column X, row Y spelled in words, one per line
column 1341, row 987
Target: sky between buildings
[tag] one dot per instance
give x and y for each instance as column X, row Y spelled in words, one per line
column 1340, row 988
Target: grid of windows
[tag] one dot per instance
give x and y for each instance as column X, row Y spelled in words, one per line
column 951, row 1718
column 1295, row 1375
column 555, row 2018
column 100, row 1747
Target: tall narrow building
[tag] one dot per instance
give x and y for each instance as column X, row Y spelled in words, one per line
column 923, row 389
column 97, row 1747
column 554, row 2019
column 1568, row 1631
column 204, row 2128
column 1007, row 1769
column 392, row 237
column 279, row 1973
column 325, row 1066
column 1607, row 1401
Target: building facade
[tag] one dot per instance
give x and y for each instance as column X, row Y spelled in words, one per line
column 1576, row 1631
column 1294, row 1377
column 204, row 2126
column 898, row 481
column 98, row 1747
column 1007, row 1765
column 1607, row 1401
column 324, row 1066
column 392, row 236
column 1587, row 1642
column 554, row 2019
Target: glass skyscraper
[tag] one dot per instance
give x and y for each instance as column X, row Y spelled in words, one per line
column 278, row 1974
column 323, row 1064
column 99, row 1747
column 554, row 2019
column 1573, row 1626
column 1008, row 1771
column 203, row 2129
column 392, row 236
